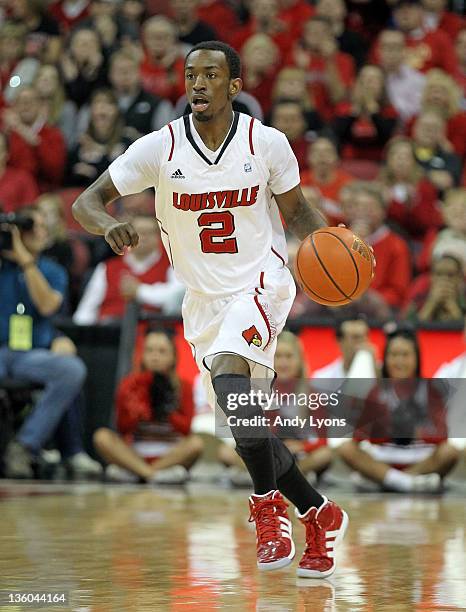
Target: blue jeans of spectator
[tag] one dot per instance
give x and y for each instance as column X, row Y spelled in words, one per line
column 62, row 377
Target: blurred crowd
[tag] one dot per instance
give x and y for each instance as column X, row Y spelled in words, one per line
column 370, row 94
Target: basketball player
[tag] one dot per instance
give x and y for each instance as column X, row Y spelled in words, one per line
column 221, row 179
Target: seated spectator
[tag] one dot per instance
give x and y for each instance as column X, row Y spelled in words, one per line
column 430, row 149
column 43, row 36
column 33, row 289
column 17, row 187
column 15, row 68
column 162, row 67
column 443, row 96
column 457, row 367
column 264, row 19
column 327, row 177
column 352, row 336
column 260, row 61
column 452, row 238
column 401, row 442
column 365, row 124
column 142, row 274
column 426, row 49
column 291, row 84
column 403, row 83
column 154, row 409
column 332, row 71
column 59, row 111
column 288, row 116
column 367, row 218
column 142, row 111
column 103, row 141
column 191, row 30
column 437, row 18
column 34, row 145
column 220, row 16
column 440, row 295
column 412, row 199
column 349, row 42
column 68, row 13
column 83, row 66
column 460, row 54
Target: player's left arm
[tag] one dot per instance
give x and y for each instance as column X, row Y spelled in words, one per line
column 301, row 217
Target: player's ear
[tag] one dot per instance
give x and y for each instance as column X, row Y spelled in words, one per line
column 236, row 85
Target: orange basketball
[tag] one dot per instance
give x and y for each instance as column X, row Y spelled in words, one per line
column 333, row 266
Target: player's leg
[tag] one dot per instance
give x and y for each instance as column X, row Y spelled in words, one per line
column 230, row 375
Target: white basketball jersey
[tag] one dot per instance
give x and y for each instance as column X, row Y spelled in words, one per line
column 219, row 222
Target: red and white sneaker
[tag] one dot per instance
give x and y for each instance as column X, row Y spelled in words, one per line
column 325, row 529
column 275, row 546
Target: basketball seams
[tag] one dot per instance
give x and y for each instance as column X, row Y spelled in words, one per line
column 352, row 258
column 331, row 279
column 336, row 302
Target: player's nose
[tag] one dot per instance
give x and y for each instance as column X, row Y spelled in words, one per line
column 199, row 83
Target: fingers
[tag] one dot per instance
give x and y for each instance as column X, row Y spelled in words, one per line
column 121, row 236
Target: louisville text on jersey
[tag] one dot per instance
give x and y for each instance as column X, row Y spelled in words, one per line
column 230, row 198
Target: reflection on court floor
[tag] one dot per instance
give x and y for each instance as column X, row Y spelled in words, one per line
column 118, row 548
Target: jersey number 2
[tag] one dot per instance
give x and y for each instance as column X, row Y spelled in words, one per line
column 226, row 227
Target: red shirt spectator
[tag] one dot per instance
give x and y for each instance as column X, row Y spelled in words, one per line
column 219, row 16
column 296, row 13
column 17, row 187
column 260, row 57
column 264, row 19
column 144, row 274
column 134, row 404
column 330, row 73
column 68, row 13
column 34, row 146
column 326, row 177
column 364, row 125
column 437, row 18
column 288, row 116
column 162, row 69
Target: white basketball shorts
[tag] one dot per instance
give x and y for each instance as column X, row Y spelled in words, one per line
column 245, row 324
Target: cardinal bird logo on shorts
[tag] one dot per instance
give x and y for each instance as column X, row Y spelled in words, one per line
column 252, row 336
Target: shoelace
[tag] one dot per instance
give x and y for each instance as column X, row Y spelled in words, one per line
column 266, row 514
column 315, row 540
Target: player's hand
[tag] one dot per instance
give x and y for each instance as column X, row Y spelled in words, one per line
column 121, row 235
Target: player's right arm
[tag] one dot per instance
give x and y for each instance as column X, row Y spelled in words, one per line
column 137, row 169
column 89, row 210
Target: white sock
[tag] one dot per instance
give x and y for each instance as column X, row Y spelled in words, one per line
column 398, row 480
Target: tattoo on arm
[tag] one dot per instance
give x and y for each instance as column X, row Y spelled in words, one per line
column 302, row 219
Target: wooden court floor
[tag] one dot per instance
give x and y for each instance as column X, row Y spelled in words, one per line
column 123, row 548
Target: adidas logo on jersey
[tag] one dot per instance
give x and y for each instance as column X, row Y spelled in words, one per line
column 178, row 174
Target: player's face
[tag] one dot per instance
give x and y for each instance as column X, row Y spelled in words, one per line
column 287, row 361
column 158, row 354
column 209, row 88
column 401, row 359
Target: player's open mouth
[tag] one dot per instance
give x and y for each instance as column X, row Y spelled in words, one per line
column 199, row 104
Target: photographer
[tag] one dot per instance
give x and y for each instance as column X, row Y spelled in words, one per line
column 32, row 290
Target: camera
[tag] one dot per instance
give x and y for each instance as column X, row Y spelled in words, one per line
column 22, row 222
